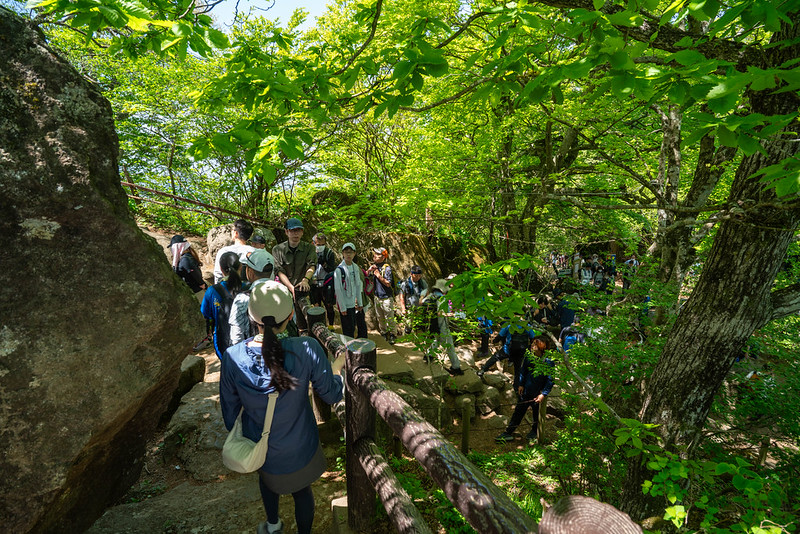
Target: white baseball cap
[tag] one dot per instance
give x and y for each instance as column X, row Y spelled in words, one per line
column 270, row 299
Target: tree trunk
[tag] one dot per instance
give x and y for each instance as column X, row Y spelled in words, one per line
column 732, row 298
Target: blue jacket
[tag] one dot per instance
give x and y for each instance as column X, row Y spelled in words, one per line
column 293, row 438
column 210, row 307
column 565, row 313
column 532, row 383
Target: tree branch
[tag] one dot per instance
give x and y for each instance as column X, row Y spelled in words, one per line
column 664, row 37
column 373, row 29
column 785, row 301
column 462, row 28
column 589, row 389
column 448, row 99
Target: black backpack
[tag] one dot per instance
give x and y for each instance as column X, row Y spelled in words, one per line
column 328, row 288
column 327, row 259
column 223, row 327
column 520, row 342
column 430, row 312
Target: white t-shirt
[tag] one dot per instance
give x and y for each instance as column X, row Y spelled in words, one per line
column 241, row 250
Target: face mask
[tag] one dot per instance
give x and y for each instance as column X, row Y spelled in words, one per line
column 320, row 248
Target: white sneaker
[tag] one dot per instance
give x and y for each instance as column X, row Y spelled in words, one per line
column 263, row 528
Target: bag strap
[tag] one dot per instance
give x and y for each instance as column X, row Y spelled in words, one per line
column 269, row 414
column 222, row 291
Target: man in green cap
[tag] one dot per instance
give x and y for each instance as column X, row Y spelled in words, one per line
column 294, row 263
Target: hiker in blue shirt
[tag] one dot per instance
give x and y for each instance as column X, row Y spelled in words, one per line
column 218, row 300
column 517, row 340
column 261, row 365
column 532, row 387
column 348, row 292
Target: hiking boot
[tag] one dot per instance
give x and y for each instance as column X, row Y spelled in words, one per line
column 455, row 371
column 390, row 338
column 505, row 437
column 263, row 528
column 532, row 435
column 203, row 344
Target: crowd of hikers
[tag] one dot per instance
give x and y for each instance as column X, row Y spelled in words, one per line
column 256, row 325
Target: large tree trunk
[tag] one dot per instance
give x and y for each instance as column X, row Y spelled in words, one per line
column 732, row 299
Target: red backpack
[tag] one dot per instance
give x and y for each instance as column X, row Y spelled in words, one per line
column 369, row 284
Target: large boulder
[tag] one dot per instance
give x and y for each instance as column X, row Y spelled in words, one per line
column 94, row 322
column 218, row 237
column 222, row 236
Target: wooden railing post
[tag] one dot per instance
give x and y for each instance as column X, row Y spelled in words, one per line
column 485, row 506
column 467, row 411
column 360, row 424
column 322, row 410
column 397, row 447
column 542, row 418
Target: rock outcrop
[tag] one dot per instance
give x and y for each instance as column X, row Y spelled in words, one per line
column 93, row 322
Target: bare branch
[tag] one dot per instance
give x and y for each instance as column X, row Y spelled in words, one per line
column 448, row 99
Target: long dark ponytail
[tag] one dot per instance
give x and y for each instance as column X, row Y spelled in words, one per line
column 272, row 355
column 229, row 265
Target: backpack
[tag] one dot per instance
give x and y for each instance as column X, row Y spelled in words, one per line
column 324, row 268
column 586, row 276
column 328, row 286
column 430, row 312
column 369, row 284
column 222, row 331
column 520, row 342
column 571, row 338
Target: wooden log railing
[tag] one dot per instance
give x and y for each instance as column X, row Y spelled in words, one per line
column 485, row 506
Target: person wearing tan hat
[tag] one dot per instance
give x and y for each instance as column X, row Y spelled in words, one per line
column 256, row 367
column 439, row 328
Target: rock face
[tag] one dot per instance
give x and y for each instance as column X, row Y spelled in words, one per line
column 93, row 322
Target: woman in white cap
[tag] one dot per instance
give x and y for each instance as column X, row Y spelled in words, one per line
column 258, row 366
column 439, row 328
column 186, row 263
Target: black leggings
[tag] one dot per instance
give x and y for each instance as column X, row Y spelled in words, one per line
column 303, row 506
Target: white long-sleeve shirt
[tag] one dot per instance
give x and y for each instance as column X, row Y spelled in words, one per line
column 348, row 293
